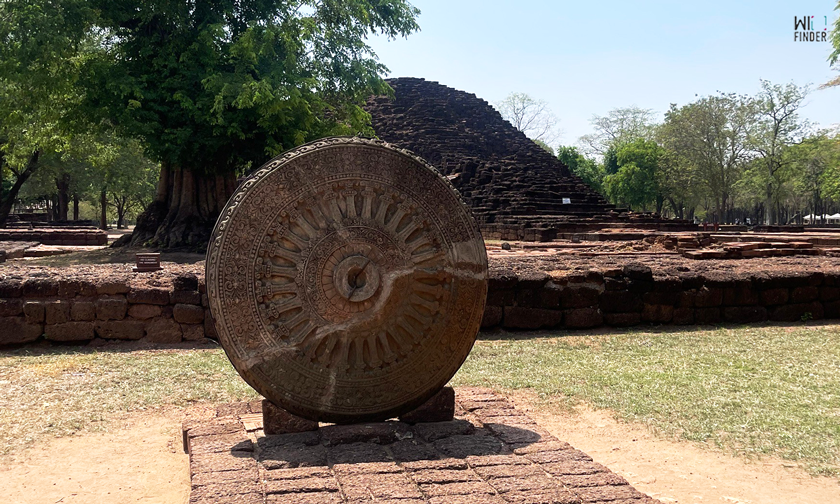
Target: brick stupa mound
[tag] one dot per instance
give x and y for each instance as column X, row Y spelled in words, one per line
column 516, row 189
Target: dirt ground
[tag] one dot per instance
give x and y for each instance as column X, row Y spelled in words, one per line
column 139, row 461
column 142, row 462
column 679, row 471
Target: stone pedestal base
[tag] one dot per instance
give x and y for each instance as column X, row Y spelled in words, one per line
column 440, row 408
column 276, row 420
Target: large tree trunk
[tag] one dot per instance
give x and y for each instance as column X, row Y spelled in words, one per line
column 103, row 210
column 185, row 209
column 7, row 200
column 62, row 183
column 75, row 206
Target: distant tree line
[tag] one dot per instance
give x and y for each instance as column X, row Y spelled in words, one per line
column 723, row 158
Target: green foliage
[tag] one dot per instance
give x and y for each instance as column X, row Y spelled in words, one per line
column 221, row 86
column 710, row 140
column 544, row 146
column 636, row 182
column 587, row 169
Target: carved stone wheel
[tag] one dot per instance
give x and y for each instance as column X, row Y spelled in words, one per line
column 347, row 280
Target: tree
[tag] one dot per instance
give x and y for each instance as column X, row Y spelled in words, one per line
column 618, row 127
column 42, row 43
column 587, row 169
column 710, row 139
column 777, row 127
column 216, row 87
column 530, row 116
column 835, row 53
column 636, row 183
column 816, row 171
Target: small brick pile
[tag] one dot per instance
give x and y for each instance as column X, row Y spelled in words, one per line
column 50, row 236
column 490, row 454
column 163, row 309
column 747, row 250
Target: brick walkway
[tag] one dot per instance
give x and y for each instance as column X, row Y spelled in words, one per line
column 490, row 454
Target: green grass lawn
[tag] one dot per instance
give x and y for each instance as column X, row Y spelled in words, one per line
column 752, row 390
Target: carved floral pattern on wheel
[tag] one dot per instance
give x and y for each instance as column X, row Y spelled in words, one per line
column 347, row 280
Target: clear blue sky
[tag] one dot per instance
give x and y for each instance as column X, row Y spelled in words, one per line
column 586, row 58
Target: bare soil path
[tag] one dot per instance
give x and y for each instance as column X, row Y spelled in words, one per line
column 141, row 461
column 680, row 471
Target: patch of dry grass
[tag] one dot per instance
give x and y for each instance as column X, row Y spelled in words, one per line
column 57, row 392
column 753, row 390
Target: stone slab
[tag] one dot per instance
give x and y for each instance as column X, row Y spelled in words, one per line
column 396, row 462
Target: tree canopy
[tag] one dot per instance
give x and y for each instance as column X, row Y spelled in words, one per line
column 216, row 87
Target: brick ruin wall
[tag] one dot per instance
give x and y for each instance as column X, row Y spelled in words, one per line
column 515, row 188
column 50, row 236
column 166, row 307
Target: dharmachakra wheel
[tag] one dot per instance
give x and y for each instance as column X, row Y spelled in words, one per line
column 347, row 280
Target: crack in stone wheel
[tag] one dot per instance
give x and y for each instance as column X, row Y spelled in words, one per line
column 347, row 280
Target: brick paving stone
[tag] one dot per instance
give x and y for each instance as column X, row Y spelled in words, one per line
column 553, row 496
column 379, row 486
column 496, row 404
column 573, row 467
column 533, row 482
column 467, row 460
column 305, row 438
column 468, row 488
column 508, row 471
column 293, row 455
column 379, row 432
column 356, row 453
column 548, row 457
column 412, row 450
column 232, row 409
column 592, row 480
column 508, row 416
column 591, row 494
column 475, row 394
column 439, row 430
column 223, row 489
column 302, row 485
column 518, row 434
column 464, row 446
column 467, row 499
column 297, row 473
column 367, row 468
column 442, row 464
column 215, row 428
column 552, row 445
column 214, row 478
column 304, row 498
column 218, row 462
column 251, row 498
column 444, row 476
column 237, row 441
column 491, row 460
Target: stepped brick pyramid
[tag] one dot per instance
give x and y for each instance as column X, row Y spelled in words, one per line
column 516, row 189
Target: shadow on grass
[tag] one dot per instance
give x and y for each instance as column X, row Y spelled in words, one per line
column 47, row 348
column 498, row 334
